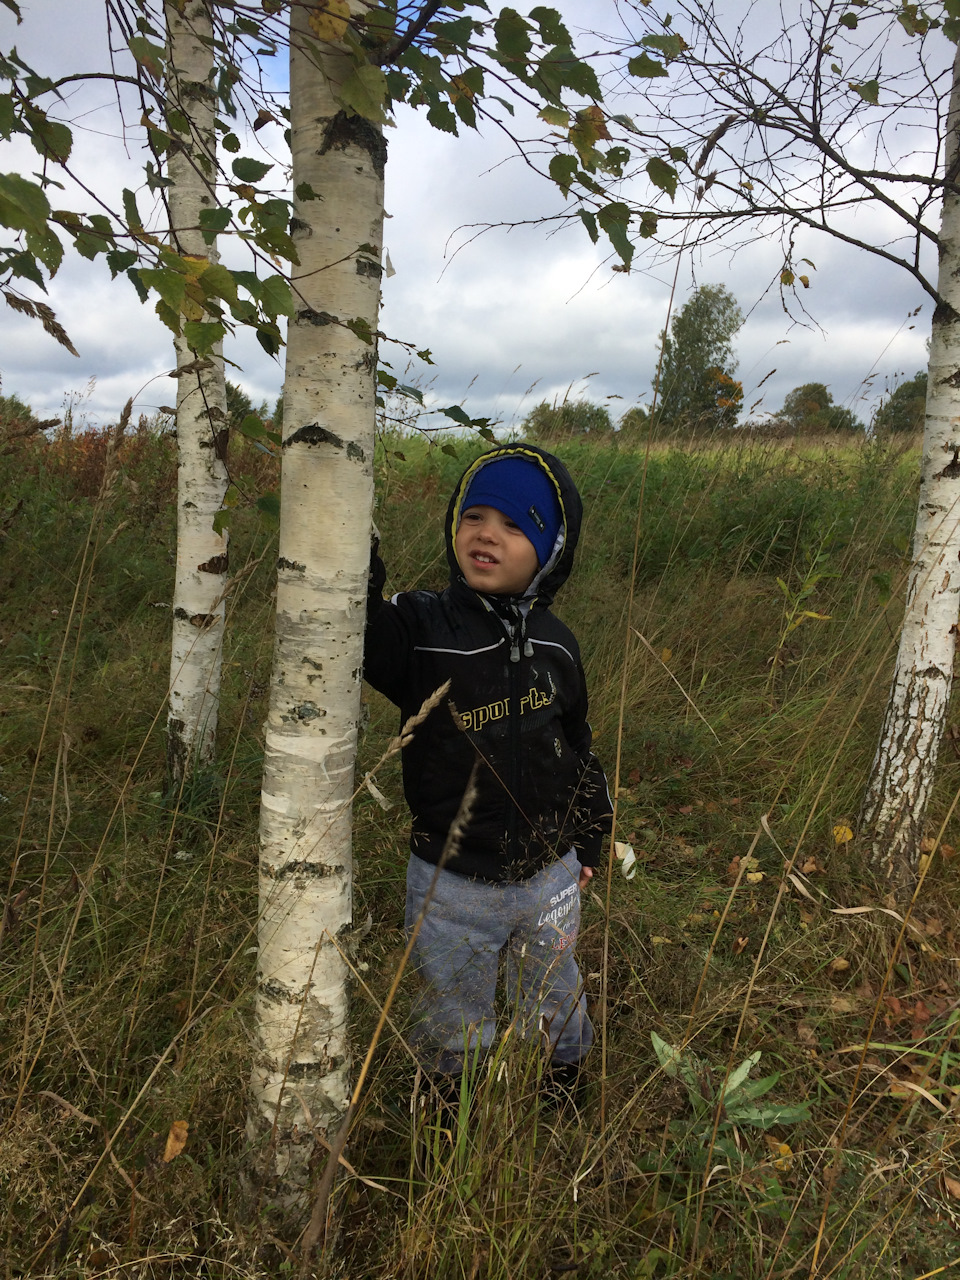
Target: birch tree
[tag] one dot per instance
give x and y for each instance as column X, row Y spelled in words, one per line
column 202, row 555
column 842, row 121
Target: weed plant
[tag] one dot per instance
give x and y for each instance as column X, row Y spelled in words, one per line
column 753, row 669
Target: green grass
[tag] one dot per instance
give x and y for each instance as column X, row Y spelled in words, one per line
column 125, row 965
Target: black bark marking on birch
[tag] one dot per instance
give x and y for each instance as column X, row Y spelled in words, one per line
column 216, row 564
column 355, row 452
column 307, row 711
column 300, row 228
column 952, row 468
column 302, row 870
column 944, row 314
column 345, row 131
column 292, row 565
column 951, row 380
column 316, row 317
column 932, row 673
column 367, row 268
column 312, row 434
column 221, row 440
column 275, row 992
column 306, row 1070
column 199, row 620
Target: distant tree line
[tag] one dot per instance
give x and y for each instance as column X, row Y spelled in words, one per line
column 696, row 392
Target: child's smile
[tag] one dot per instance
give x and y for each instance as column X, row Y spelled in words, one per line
column 496, row 556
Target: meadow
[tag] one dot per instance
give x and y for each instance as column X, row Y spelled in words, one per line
column 776, row 1088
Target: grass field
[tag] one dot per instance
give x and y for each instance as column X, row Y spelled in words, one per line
column 739, row 730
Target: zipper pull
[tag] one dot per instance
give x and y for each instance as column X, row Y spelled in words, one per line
column 514, row 650
column 528, row 648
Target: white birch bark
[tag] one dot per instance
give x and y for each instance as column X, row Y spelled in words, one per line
column 198, row 606
column 300, row 1077
column 905, row 765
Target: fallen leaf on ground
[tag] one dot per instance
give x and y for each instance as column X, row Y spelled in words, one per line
column 176, row 1140
column 838, row 964
column 927, row 844
column 952, row 1187
column 842, row 834
column 843, row 1004
column 739, row 945
column 806, row 1035
column 811, row 865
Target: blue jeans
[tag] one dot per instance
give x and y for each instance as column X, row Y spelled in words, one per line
column 466, row 925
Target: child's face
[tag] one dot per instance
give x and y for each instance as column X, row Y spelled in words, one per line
column 496, row 556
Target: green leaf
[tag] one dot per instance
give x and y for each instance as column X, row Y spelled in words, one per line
column 252, row 427
column 590, row 222
column 662, row 175
column 449, row 450
column 52, row 139
column 202, row 335
column 646, row 66
column 304, row 192
column 212, row 221
column 14, row 9
column 557, row 116
column 668, row 1057
column 218, row 282
column 512, row 34
column 22, row 204
column 248, row 170
column 149, row 56
column 364, row 92
column 670, row 46
column 614, row 219
column 869, row 91
column 169, row 317
column 171, row 285
column 560, row 68
column 275, row 297
column 849, row 20
column 456, row 414
column 563, row 170
column 131, row 212
column 442, row 118
column 268, row 504
column 739, row 1074
column 230, row 143
column 552, row 30
column 220, row 520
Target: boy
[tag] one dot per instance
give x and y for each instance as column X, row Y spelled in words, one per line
column 516, row 708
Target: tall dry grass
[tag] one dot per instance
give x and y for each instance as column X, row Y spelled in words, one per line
column 126, row 965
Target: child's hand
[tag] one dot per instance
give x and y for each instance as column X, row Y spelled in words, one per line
column 586, row 875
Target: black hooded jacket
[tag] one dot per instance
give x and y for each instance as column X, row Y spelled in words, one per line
column 517, row 706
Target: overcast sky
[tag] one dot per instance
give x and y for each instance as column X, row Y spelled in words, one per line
column 511, row 316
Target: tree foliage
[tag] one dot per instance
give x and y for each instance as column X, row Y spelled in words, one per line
column 906, row 407
column 810, row 410
column 697, row 390
column 571, row 418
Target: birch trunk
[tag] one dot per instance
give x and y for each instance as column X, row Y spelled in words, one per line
column 198, row 605
column 905, row 765
column 301, row 1071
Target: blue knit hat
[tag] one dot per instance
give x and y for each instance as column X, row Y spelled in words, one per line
column 524, row 492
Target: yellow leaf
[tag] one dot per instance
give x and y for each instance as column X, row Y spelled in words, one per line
column 839, row 964
column 927, row 844
column 805, row 281
column 754, row 877
column 176, row 1140
column 329, row 21
column 783, row 1155
column 660, row 942
column 666, row 655
column 842, row 835
column 952, row 1187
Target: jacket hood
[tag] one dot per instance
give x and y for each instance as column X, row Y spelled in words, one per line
column 555, row 572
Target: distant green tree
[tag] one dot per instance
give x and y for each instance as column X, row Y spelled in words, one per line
column 906, row 407
column 13, row 409
column 567, row 420
column 634, row 424
column 809, row 410
column 697, row 390
column 239, row 404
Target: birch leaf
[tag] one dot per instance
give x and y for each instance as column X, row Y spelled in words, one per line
column 842, row 835
column 365, row 91
column 176, row 1140
column 330, row 20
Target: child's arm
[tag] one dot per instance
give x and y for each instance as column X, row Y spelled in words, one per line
column 388, row 644
column 592, row 805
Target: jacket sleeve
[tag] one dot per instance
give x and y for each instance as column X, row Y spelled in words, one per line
column 592, row 806
column 388, row 640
